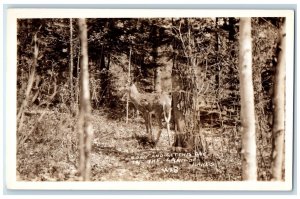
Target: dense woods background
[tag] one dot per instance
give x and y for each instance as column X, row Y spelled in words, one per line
column 195, row 60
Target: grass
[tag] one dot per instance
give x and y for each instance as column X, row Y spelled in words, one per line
column 120, row 151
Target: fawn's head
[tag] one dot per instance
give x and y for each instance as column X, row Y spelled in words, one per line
column 131, row 91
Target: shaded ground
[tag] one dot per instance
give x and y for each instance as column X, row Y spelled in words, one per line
column 120, row 152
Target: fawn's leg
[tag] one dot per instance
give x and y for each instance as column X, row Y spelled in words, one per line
column 150, row 126
column 167, row 116
column 168, row 124
column 168, row 130
column 145, row 116
column 160, row 128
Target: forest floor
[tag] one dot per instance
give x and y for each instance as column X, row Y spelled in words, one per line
column 47, row 150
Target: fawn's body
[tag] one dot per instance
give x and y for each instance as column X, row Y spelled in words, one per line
column 152, row 104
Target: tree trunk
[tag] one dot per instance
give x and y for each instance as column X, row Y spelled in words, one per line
column 279, row 109
column 185, row 96
column 71, row 64
column 104, row 76
column 217, row 46
column 232, row 32
column 85, row 126
column 128, row 82
column 249, row 168
column 157, row 80
column 31, row 79
column 77, row 81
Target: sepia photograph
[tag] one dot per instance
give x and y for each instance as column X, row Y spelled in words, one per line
column 143, row 97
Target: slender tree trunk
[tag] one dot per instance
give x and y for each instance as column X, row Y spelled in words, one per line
column 104, row 76
column 217, row 46
column 77, row 82
column 249, row 168
column 85, row 126
column 155, row 39
column 127, row 101
column 279, row 109
column 71, row 64
column 31, row 79
column 157, row 80
column 232, row 32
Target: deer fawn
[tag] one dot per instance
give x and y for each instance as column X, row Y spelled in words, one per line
column 152, row 104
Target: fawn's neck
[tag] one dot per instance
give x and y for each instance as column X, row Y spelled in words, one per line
column 134, row 96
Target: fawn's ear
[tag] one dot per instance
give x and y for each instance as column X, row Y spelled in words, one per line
column 132, row 83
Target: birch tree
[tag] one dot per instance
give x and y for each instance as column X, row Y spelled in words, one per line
column 71, row 63
column 128, row 82
column 249, row 167
column 279, row 115
column 30, row 83
column 85, row 126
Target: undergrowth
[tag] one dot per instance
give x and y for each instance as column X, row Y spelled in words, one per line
column 120, row 151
